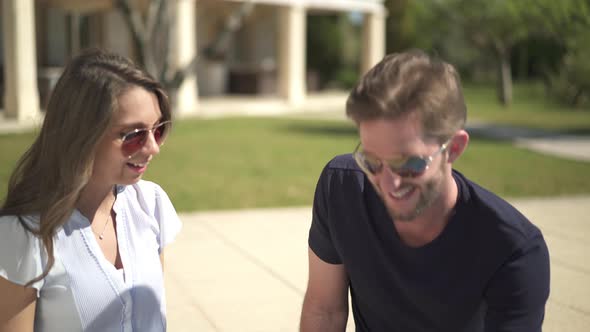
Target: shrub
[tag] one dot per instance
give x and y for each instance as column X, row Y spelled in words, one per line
column 571, row 84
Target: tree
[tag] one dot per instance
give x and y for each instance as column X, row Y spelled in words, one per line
column 332, row 51
column 568, row 21
column 151, row 31
column 493, row 27
column 409, row 24
column 399, row 26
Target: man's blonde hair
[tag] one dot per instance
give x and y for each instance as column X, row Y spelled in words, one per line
column 411, row 82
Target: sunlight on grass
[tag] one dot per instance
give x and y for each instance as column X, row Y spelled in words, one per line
column 241, row 163
column 235, row 163
column 531, row 108
column 514, row 172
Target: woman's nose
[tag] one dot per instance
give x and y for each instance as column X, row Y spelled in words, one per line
column 151, row 145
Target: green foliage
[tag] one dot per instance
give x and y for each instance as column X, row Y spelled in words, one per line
column 556, row 19
column 570, row 84
column 333, row 48
column 323, row 42
column 478, row 35
column 493, row 28
column 400, row 25
column 346, row 77
column 412, row 24
column 489, row 25
column 534, row 57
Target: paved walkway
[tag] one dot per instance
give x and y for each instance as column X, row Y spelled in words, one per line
column 247, row 270
column 575, row 147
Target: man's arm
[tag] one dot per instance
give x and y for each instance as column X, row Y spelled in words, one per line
column 325, row 306
column 518, row 292
column 17, row 307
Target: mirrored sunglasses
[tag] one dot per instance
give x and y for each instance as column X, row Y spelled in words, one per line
column 409, row 167
column 134, row 140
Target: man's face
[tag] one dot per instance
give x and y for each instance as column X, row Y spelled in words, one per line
column 406, row 198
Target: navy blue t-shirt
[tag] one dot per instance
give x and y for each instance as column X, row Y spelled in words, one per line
column 487, row 271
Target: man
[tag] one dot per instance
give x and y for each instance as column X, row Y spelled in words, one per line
column 420, row 247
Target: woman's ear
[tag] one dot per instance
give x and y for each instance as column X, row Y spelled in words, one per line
column 457, row 145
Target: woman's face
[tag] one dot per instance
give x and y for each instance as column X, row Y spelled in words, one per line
column 137, row 109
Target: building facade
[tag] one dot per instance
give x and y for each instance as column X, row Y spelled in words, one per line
column 267, row 56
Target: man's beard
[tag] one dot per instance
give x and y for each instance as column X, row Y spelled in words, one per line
column 429, row 193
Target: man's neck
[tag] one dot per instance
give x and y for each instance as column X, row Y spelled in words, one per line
column 431, row 222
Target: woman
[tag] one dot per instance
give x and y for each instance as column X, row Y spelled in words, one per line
column 81, row 235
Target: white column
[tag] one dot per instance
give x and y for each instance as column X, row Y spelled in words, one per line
column 291, row 53
column 185, row 50
column 373, row 49
column 21, row 94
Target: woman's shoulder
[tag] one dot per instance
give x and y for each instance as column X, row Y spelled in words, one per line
column 149, row 195
column 21, row 252
column 12, row 225
column 150, row 198
column 142, row 187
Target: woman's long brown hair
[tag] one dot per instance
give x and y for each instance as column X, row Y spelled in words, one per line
column 49, row 177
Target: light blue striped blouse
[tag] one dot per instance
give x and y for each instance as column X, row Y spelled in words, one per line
column 84, row 291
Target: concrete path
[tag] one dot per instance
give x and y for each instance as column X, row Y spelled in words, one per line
column 247, row 270
column 575, row 147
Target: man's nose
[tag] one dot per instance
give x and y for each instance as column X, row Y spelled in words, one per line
column 389, row 178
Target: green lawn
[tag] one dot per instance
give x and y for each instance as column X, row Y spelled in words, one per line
column 530, row 108
column 267, row 162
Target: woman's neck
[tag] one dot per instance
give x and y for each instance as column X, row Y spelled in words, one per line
column 94, row 199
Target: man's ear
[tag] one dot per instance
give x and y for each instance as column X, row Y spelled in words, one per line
column 457, row 145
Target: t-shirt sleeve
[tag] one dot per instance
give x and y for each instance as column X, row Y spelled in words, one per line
column 22, row 254
column 167, row 218
column 320, row 240
column 517, row 294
